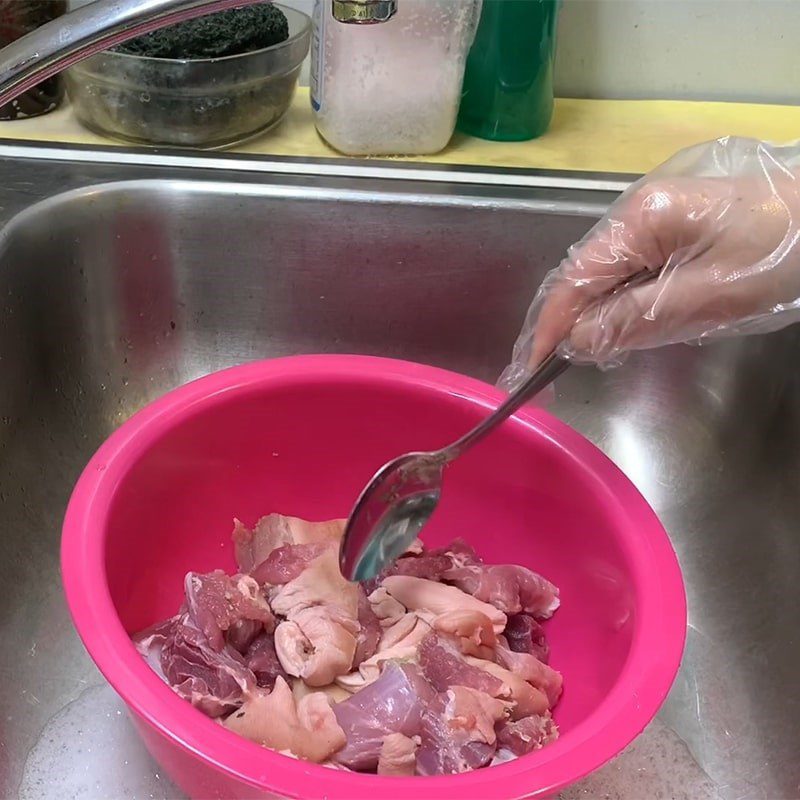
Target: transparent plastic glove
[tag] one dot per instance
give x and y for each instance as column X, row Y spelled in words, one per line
column 707, row 245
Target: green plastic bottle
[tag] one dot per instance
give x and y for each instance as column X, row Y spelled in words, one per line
column 508, row 81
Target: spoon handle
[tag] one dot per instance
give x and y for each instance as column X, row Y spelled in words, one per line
column 541, row 377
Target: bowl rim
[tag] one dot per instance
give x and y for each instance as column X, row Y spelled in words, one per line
column 303, row 33
column 656, row 647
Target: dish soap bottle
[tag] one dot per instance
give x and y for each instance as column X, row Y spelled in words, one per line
column 508, row 83
column 391, row 87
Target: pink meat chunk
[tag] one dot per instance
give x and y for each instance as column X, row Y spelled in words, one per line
column 395, row 703
column 458, row 732
column 461, row 553
column 527, row 734
column 150, row 642
column 526, row 635
column 215, row 681
column 252, row 547
column 527, row 699
column 436, row 667
column 510, row 588
column 444, row 667
column 242, row 633
column 438, row 756
column 262, row 660
column 285, row 563
column 529, row 668
column 217, row 602
column 428, row 564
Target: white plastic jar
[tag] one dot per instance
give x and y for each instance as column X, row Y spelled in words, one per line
column 391, row 88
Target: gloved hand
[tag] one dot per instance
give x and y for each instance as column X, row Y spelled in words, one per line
column 709, row 243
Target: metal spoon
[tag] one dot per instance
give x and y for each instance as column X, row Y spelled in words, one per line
column 400, row 499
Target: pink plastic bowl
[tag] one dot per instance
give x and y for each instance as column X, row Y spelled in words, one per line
column 302, row 436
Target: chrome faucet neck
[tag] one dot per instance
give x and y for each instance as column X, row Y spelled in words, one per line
column 85, row 31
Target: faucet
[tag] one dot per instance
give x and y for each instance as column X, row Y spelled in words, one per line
column 106, row 23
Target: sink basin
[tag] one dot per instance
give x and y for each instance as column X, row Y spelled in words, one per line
column 121, row 281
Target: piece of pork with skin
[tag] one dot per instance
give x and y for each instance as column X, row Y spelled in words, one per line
column 252, row 547
column 475, row 713
column 528, row 667
column 315, row 644
column 395, row 703
column 307, row 728
column 402, row 638
column 398, row 756
column 320, row 584
column 402, row 629
column 385, row 607
column 217, row 601
column 529, row 733
column 418, row 594
column 318, row 639
column 507, row 587
column 526, row 635
column 527, row 698
column 402, row 641
column 472, row 630
column 334, row 693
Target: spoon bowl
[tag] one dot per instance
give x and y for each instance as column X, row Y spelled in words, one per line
column 390, row 513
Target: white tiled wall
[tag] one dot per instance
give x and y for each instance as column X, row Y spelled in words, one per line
column 698, row 49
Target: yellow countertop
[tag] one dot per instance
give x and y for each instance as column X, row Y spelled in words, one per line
column 623, row 136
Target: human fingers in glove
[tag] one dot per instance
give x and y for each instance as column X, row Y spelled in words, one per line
column 707, row 245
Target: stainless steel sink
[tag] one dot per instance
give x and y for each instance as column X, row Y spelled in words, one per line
column 121, row 281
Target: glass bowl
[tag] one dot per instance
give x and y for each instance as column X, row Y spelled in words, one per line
column 208, row 102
